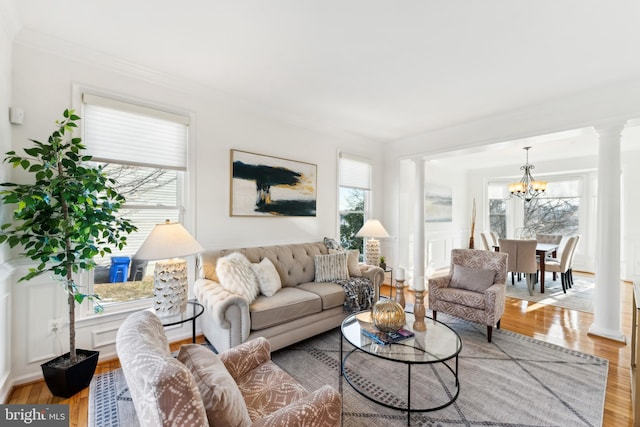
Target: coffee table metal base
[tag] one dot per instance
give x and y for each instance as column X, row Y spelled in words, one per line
column 408, row 408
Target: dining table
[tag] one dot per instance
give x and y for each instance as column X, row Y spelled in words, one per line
column 542, row 249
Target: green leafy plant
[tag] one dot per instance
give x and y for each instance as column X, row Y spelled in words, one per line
column 67, row 216
column 382, row 259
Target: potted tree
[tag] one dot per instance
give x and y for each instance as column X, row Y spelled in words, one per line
column 62, row 220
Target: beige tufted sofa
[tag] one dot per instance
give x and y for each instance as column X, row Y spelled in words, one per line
column 301, row 309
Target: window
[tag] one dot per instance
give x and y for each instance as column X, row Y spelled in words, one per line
column 145, row 151
column 557, row 212
column 354, row 192
column 498, row 204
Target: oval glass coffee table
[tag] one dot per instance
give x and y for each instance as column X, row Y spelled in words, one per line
column 438, row 345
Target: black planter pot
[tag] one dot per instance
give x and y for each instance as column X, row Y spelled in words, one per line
column 67, row 381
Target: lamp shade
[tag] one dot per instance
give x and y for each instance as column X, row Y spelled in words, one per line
column 372, row 228
column 168, row 240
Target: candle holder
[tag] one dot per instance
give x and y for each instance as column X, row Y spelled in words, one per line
column 400, row 292
column 419, row 312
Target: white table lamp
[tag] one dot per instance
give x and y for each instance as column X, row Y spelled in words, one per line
column 167, row 243
column 373, row 230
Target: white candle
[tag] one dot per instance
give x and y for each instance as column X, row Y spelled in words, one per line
column 419, row 286
column 400, row 273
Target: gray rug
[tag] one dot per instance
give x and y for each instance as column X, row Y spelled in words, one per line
column 514, row 381
column 579, row 297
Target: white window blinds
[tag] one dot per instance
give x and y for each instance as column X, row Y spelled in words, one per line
column 354, row 172
column 125, row 133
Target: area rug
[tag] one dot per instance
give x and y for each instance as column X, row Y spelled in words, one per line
column 513, row 381
column 579, row 297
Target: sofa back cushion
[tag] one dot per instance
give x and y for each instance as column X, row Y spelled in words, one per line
column 294, row 262
column 163, row 390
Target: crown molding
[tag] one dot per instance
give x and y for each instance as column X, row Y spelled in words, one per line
column 39, row 41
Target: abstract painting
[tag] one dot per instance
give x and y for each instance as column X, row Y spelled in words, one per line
column 438, row 203
column 264, row 185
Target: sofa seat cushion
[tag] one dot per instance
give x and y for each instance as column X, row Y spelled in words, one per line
column 460, row 297
column 267, row 389
column 285, row 305
column 331, row 294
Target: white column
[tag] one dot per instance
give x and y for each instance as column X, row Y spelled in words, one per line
column 606, row 299
column 418, row 240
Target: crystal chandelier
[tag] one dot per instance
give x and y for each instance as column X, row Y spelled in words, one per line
column 527, row 188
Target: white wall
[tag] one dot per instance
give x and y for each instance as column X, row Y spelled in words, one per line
column 630, row 209
column 7, row 31
column 42, row 85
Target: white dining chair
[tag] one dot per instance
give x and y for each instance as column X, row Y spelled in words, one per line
column 562, row 265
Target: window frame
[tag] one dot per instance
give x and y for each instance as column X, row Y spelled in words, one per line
column 185, row 189
column 368, row 192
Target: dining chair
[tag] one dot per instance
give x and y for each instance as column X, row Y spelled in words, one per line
column 486, row 239
column 562, row 265
column 522, row 260
column 495, row 237
column 549, row 238
column 571, row 257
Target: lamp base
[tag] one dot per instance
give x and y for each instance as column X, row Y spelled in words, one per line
column 373, row 252
column 170, row 287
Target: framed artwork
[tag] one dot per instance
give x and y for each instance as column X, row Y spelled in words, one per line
column 271, row 186
column 438, row 202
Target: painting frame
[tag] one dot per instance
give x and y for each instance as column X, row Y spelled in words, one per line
column 262, row 185
column 438, row 203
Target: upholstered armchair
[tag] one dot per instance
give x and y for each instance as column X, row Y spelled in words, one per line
column 239, row 387
column 474, row 289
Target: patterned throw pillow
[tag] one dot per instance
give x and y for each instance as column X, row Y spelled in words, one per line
column 471, row 279
column 353, row 259
column 222, row 398
column 331, row 267
column 268, row 277
column 237, row 276
column 331, row 243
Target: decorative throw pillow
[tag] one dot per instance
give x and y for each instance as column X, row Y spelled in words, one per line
column 237, row 276
column 222, row 398
column 268, row 277
column 331, row 243
column 353, row 258
column 471, row 279
column 331, row 267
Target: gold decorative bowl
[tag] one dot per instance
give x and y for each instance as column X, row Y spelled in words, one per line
column 388, row 316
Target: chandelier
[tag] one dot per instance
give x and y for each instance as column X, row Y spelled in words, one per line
column 527, row 188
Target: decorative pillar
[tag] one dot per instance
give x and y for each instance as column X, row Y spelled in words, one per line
column 418, row 240
column 606, row 299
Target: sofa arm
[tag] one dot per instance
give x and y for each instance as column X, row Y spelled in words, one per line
column 226, row 321
column 322, row 408
column 375, row 275
column 246, row 357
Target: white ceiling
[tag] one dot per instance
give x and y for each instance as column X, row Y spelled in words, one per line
column 381, row 69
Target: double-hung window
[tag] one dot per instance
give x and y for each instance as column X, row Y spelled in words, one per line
column 354, row 193
column 145, row 151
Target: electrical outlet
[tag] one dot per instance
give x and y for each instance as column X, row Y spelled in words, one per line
column 55, row 325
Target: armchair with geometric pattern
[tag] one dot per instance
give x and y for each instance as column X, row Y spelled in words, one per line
column 474, row 289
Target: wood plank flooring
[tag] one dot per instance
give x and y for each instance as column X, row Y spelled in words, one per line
column 553, row 324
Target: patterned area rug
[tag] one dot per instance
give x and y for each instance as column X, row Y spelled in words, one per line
column 579, row 297
column 514, row 381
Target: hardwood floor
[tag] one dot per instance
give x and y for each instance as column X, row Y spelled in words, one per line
column 553, row 324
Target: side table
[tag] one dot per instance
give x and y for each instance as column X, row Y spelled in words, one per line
column 191, row 313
